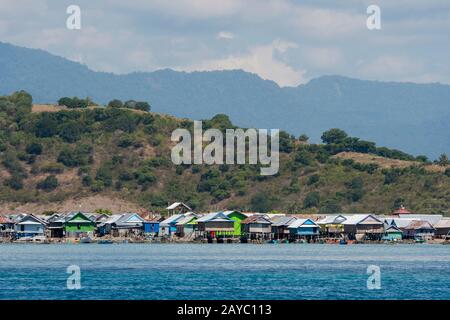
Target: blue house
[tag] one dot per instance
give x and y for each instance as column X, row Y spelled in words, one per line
column 151, row 227
column 168, row 226
column 304, row 228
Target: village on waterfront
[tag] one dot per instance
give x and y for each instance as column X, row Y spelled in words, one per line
column 181, row 224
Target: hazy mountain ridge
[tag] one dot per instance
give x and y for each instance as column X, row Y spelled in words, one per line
column 411, row 117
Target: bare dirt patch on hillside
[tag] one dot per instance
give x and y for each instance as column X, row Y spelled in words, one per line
column 85, row 204
column 367, row 158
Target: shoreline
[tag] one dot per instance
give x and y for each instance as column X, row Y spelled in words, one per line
column 151, row 242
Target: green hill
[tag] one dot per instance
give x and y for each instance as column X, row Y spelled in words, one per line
column 50, row 157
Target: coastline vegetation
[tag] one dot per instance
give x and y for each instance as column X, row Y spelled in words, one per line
column 123, row 150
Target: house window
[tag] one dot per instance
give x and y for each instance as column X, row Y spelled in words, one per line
column 22, row 228
column 78, row 226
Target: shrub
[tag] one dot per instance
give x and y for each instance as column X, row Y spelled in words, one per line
column 104, row 174
column 86, row 181
column 312, row 200
column 330, row 206
column 75, row 157
column 125, row 176
column 53, row 168
column 34, row 148
column 70, row 131
column 313, row 179
column 48, row 184
column 97, row 186
column 261, row 202
column 15, row 182
column 447, row 172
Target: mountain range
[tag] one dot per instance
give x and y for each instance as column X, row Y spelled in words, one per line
column 412, row 117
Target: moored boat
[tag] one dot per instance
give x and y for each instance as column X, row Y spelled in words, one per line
column 85, row 240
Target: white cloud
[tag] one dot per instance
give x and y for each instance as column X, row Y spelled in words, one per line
column 323, row 57
column 261, row 60
column 225, row 35
column 398, row 67
column 199, row 9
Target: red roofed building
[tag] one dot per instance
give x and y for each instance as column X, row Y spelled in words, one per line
column 401, row 210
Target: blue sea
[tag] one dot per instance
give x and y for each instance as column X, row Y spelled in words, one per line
column 224, row 271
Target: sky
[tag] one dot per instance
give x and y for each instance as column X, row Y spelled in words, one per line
column 289, row 42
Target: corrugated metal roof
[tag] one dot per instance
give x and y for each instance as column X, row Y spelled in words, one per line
column 332, row 219
column 400, row 222
column 299, row 223
column 177, row 204
column 419, row 224
column 257, row 219
column 171, row 220
column 431, row 218
column 283, row 221
column 443, row 223
column 186, row 219
column 213, row 215
column 359, row 218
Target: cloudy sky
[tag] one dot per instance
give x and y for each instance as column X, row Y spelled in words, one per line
column 289, row 42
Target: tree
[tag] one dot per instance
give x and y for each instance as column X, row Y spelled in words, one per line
column 70, row 131
column 115, row 103
column 312, row 200
column 334, row 136
column 48, row 184
column 443, row 160
column 422, row 158
column 286, row 142
column 261, row 202
column 303, row 138
column 130, row 104
column 46, row 126
column 142, row 105
column 304, row 157
column 65, row 101
column 331, row 206
column 34, row 148
column 74, row 102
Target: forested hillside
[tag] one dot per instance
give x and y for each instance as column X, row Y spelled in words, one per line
column 121, row 152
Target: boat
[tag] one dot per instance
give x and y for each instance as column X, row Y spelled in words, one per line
column 105, row 242
column 85, row 240
column 343, row 241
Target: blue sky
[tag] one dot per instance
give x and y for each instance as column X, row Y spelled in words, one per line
column 289, row 42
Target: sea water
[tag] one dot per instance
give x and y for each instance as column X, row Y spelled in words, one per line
column 224, row 271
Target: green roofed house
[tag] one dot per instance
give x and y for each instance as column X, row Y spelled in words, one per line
column 216, row 225
column 237, row 217
column 78, row 225
column 392, row 233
